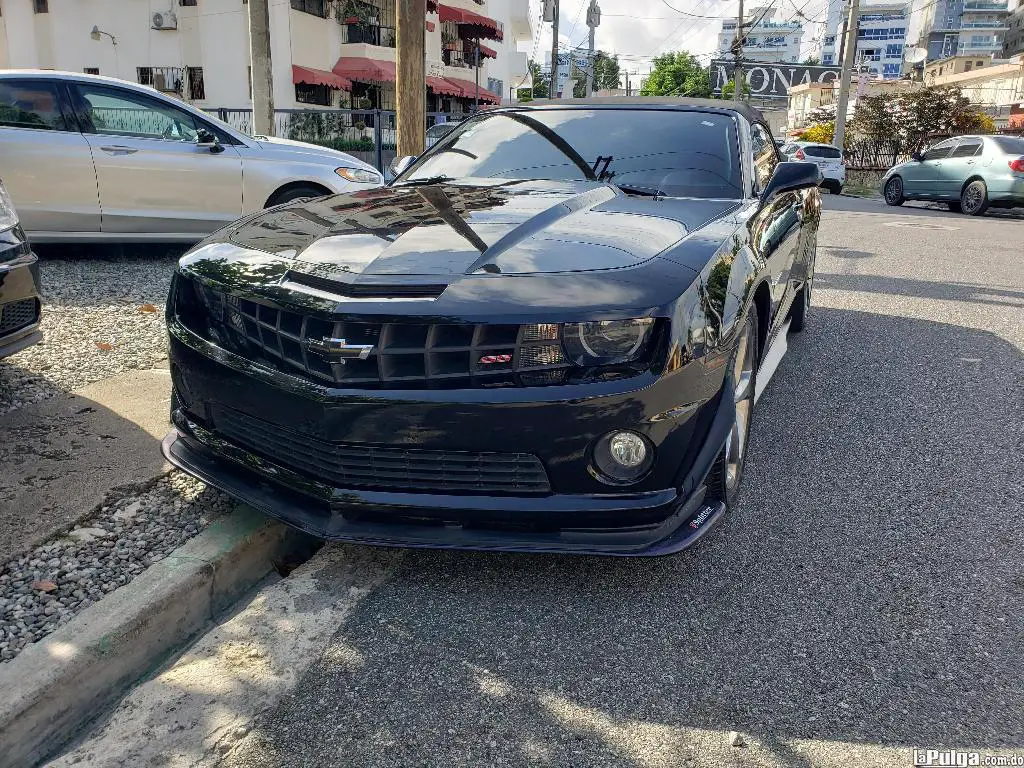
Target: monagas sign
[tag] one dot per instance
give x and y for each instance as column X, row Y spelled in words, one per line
column 770, row 80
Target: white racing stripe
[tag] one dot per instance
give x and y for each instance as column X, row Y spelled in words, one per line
column 771, row 361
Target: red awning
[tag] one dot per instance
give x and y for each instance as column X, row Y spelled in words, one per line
column 310, row 76
column 485, row 51
column 469, row 90
column 365, row 70
column 443, row 87
column 482, row 26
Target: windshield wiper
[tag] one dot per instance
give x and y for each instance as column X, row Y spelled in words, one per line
column 424, row 181
column 642, row 191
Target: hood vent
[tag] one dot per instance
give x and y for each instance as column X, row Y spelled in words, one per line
column 335, row 289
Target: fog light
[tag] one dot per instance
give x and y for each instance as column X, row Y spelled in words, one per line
column 628, row 449
column 622, row 457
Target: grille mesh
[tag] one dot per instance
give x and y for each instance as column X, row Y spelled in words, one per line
column 18, row 314
column 404, row 355
column 367, row 466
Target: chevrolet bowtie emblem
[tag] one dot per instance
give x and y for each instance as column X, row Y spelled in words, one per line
column 338, row 350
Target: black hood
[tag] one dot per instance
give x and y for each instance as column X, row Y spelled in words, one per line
column 449, row 230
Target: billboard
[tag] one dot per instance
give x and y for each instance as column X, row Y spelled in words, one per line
column 768, row 80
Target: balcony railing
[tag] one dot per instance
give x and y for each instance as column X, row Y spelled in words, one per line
column 985, row 5
column 369, row 35
column 457, row 59
column 983, row 25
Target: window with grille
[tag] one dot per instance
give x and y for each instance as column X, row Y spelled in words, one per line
column 41, row 6
column 196, row 86
column 188, row 2
column 91, row 70
column 314, row 7
column 313, row 94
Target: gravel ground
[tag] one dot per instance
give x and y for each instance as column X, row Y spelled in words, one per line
column 43, row 589
column 101, row 316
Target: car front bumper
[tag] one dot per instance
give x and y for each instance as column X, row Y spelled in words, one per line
column 20, row 314
column 665, row 513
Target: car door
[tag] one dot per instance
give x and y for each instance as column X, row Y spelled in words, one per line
column 776, row 228
column 961, row 164
column 921, row 179
column 45, row 162
column 153, row 177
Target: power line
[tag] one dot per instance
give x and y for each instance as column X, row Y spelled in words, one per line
column 691, row 15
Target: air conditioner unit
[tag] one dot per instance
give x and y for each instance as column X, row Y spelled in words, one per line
column 165, row 20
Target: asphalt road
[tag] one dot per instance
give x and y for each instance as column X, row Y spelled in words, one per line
column 863, row 599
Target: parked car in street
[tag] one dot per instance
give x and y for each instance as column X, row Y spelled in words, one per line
column 546, row 334
column 825, row 156
column 89, row 158
column 438, row 131
column 20, row 309
column 968, row 173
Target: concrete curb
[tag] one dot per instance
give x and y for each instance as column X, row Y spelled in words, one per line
column 56, row 685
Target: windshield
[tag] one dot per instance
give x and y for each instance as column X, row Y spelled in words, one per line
column 676, row 153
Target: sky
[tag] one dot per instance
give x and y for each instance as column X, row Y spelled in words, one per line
column 639, row 29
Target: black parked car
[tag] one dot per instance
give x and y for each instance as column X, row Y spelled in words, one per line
column 544, row 335
column 19, row 284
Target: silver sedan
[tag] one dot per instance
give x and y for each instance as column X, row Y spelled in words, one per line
column 88, row 158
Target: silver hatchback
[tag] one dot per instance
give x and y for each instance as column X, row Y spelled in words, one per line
column 89, row 158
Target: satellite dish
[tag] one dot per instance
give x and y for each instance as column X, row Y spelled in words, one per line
column 915, row 55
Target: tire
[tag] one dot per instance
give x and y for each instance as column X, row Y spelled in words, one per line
column 974, row 198
column 954, row 206
column 893, row 191
column 291, row 194
column 801, row 306
column 726, row 473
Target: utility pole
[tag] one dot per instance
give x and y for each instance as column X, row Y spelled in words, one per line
column 737, row 69
column 410, row 80
column 849, row 55
column 262, row 68
column 593, row 21
column 553, row 89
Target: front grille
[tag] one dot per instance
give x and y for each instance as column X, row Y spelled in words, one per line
column 383, row 467
column 404, row 354
column 16, row 315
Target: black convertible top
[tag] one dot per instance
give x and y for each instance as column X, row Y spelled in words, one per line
column 747, row 111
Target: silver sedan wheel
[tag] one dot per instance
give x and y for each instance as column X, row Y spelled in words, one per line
column 894, row 191
column 743, row 394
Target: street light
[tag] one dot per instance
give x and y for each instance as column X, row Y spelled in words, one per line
column 96, row 34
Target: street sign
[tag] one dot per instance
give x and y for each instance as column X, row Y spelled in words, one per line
column 769, row 80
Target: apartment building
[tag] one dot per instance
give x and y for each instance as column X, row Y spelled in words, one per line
column 964, row 28
column 998, row 89
column 881, row 38
column 1013, row 40
column 765, row 38
column 325, row 52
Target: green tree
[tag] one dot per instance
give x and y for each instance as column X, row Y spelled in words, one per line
column 677, row 74
column 811, row 61
column 915, row 117
column 730, row 88
column 541, row 81
column 606, row 74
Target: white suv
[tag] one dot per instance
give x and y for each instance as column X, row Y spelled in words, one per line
column 827, row 157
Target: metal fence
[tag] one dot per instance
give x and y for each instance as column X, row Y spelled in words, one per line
column 368, row 134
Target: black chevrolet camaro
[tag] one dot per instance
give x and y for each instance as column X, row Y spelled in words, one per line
column 544, row 335
column 19, row 284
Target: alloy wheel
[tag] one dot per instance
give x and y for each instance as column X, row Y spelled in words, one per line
column 894, row 191
column 973, row 198
column 743, row 395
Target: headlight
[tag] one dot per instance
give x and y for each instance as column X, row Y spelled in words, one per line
column 606, row 342
column 8, row 217
column 358, row 175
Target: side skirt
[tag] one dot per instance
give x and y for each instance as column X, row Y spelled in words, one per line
column 771, row 360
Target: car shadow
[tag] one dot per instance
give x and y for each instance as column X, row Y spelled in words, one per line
column 925, row 289
column 862, row 598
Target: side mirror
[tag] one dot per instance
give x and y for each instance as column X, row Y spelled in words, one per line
column 791, row 177
column 207, row 140
column 401, row 164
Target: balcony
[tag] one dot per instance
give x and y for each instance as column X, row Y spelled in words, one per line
column 985, row 5
column 519, row 24
column 994, row 25
column 975, row 47
column 369, row 35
